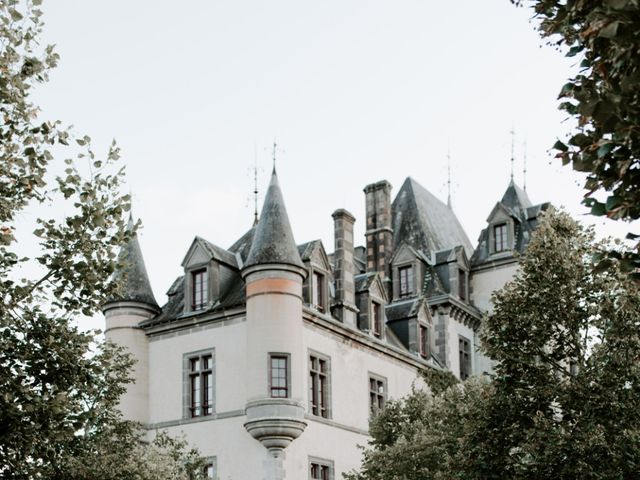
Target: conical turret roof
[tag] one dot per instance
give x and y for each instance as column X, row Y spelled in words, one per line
column 273, row 239
column 136, row 286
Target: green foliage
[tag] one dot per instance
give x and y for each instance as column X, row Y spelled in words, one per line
column 604, row 99
column 59, row 389
column 565, row 397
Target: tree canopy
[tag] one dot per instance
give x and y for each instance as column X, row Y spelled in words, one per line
column 59, row 386
column 564, row 399
column 604, row 100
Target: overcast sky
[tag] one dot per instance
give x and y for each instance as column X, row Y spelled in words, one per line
column 354, row 91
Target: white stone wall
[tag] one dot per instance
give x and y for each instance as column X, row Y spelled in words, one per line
column 238, row 455
column 486, row 281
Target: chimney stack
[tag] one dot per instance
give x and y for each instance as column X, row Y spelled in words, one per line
column 345, row 307
column 378, row 229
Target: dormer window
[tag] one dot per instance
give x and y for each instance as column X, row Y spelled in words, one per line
column 200, row 289
column 406, row 280
column 318, row 291
column 376, row 320
column 500, row 237
column 462, row 284
column 423, row 337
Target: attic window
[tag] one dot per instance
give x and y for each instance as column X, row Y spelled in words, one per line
column 377, row 319
column 424, row 341
column 500, row 237
column 317, row 292
column 200, row 292
column 406, row 280
column 462, row 284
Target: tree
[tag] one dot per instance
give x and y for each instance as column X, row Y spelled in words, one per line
column 564, row 399
column 59, row 387
column 603, row 98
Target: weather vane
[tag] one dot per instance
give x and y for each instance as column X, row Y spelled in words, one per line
column 513, row 139
column 448, row 176
column 524, row 166
column 255, row 185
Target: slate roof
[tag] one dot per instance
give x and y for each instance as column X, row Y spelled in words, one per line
column 364, row 280
column 402, row 309
column 306, row 249
column 525, row 220
column 243, row 244
column 219, row 253
column 136, row 286
column 273, row 240
column 425, row 222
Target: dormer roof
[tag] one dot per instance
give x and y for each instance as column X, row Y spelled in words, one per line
column 133, row 275
column 515, row 197
column 273, row 240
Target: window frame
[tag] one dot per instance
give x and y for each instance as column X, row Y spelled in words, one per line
column 424, row 342
column 463, row 288
column 465, row 367
column 321, row 463
column 189, row 408
column 409, row 281
column 504, row 237
column 377, row 316
column 319, row 394
column 320, row 283
column 287, row 388
column 204, row 288
column 210, row 462
column 375, row 396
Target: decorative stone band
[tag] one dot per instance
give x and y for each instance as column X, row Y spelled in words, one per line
column 275, row 422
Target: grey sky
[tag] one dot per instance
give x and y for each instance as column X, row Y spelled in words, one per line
column 354, row 91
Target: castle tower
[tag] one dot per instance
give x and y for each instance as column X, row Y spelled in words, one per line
column 123, row 314
column 273, row 275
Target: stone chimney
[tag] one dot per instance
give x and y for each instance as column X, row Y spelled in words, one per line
column 378, row 229
column 345, row 306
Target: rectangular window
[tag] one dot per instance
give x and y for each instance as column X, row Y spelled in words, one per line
column 424, row 341
column 200, row 385
column 320, row 469
column 200, row 292
column 209, row 469
column 462, row 284
column 377, row 319
column 317, row 295
column 318, row 386
column 377, row 395
column 465, row 357
column 279, row 376
column 406, row 280
column 500, row 237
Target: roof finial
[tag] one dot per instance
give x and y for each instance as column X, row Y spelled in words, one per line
column 513, row 139
column 448, row 175
column 524, row 168
column 275, row 146
column 255, row 185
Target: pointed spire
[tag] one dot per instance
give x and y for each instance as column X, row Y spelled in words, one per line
column 273, row 241
column 136, row 286
column 524, row 166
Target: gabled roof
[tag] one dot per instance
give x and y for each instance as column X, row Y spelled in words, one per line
column 273, row 240
column 135, row 280
column 213, row 251
column 425, row 222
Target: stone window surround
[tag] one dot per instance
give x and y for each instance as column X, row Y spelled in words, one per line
column 428, row 329
column 186, row 384
column 372, row 316
column 385, row 383
column 288, row 357
column 468, row 341
column 510, row 236
column 323, row 462
column 188, row 285
column 396, row 285
column 213, row 461
column 327, row 359
column 314, row 268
